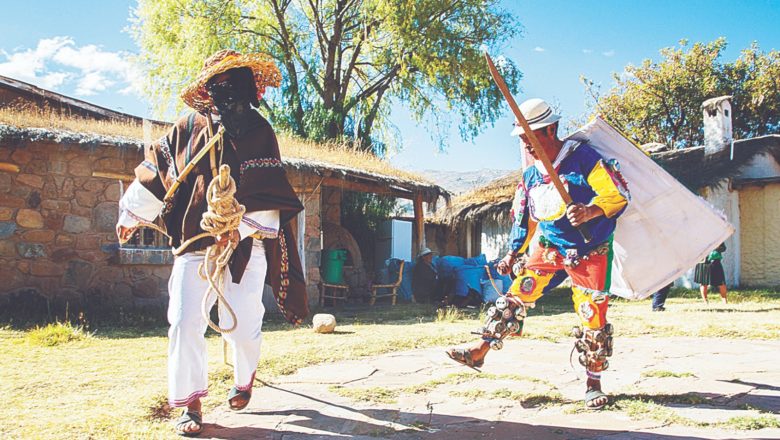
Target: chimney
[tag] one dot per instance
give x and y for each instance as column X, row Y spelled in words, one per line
column 717, row 124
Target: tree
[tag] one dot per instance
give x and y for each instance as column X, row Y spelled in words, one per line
column 342, row 61
column 661, row 101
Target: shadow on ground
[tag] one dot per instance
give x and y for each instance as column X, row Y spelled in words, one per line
column 400, row 425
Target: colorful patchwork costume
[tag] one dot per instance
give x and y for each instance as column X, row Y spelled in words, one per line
column 589, row 179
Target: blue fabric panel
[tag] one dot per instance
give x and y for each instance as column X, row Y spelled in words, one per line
column 448, row 264
column 467, row 277
column 405, row 289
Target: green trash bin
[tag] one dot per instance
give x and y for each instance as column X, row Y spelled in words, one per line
column 333, row 265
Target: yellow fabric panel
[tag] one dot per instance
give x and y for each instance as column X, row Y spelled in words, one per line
column 593, row 314
column 528, row 286
column 529, row 235
column 608, row 197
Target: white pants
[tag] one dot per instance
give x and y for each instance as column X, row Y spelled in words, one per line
column 187, row 362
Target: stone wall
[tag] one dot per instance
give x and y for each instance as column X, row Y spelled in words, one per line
column 57, row 220
column 331, row 205
column 307, row 186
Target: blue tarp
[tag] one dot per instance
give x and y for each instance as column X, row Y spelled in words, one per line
column 468, row 273
column 467, row 278
column 405, row 289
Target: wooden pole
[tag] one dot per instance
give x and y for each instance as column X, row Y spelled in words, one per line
column 535, row 145
column 374, row 188
column 419, row 225
column 7, row 167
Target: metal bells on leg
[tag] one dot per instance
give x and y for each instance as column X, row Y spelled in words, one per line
column 502, row 319
column 594, row 346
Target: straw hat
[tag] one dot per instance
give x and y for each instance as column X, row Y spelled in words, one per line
column 263, row 67
column 538, row 114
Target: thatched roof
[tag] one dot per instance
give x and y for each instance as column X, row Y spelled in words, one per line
column 328, row 161
column 689, row 166
column 34, row 114
column 19, row 93
column 492, row 199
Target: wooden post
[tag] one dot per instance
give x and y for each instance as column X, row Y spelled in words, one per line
column 469, row 238
column 7, row 167
column 419, row 225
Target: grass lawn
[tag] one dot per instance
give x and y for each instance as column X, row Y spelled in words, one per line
column 111, row 383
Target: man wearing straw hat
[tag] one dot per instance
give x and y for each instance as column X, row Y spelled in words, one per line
column 228, row 88
column 599, row 196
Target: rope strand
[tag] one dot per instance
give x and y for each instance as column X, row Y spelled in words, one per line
column 223, row 216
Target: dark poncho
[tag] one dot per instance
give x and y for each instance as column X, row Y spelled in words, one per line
column 262, row 185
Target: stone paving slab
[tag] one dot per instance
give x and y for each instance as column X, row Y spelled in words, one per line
column 729, row 373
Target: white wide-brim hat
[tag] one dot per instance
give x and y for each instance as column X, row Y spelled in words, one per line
column 538, row 114
column 423, row 252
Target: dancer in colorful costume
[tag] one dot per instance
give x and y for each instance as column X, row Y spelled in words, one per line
column 229, row 87
column 600, row 196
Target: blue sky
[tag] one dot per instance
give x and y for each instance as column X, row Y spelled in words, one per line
column 80, row 48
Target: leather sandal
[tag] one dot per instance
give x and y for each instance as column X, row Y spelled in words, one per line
column 186, row 418
column 593, row 394
column 235, row 392
column 463, row 356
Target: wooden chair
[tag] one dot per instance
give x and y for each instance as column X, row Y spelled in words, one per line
column 333, row 291
column 393, row 287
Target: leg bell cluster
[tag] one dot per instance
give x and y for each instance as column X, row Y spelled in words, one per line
column 503, row 318
column 594, row 346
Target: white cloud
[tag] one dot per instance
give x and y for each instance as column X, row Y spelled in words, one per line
column 587, row 51
column 54, row 79
column 539, row 49
column 59, row 61
column 609, row 53
column 92, row 83
column 26, row 65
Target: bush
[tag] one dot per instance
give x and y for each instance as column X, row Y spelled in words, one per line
column 57, row 333
column 449, row 314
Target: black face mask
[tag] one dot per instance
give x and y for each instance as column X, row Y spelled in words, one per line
column 233, row 99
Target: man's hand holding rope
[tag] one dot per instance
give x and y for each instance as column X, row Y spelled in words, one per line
column 229, row 238
column 505, row 265
column 124, row 234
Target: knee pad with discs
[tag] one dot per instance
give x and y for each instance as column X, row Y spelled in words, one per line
column 502, row 319
column 594, row 346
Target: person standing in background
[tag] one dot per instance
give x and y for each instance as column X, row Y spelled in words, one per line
column 717, row 276
column 659, row 298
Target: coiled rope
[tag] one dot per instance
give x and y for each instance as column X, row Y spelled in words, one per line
column 223, row 216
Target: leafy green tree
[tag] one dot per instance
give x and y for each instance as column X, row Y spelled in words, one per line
column 343, row 61
column 661, row 101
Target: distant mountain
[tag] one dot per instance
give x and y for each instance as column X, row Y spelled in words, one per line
column 458, row 182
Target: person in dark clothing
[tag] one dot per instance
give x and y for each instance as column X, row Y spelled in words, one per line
column 715, row 276
column 425, row 278
column 659, row 298
column 171, row 183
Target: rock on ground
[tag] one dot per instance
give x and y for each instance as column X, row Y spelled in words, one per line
column 324, row 323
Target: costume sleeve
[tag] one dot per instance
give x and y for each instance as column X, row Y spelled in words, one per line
column 138, row 205
column 158, row 163
column 266, row 223
column 263, row 184
column 609, row 197
column 521, row 237
column 523, row 227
